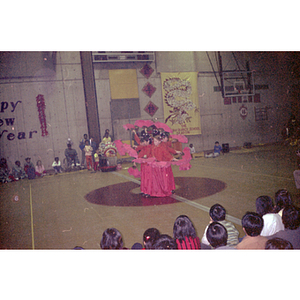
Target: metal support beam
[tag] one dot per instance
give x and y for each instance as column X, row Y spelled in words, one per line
column 90, row 96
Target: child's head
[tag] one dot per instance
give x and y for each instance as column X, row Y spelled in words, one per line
column 216, row 235
column 264, row 205
column 252, row 223
column 282, row 199
column 87, row 143
column 149, row 237
column 191, row 145
column 56, row 158
column 165, row 242
column 183, row 227
column 39, row 163
column 17, row 162
column 111, row 239
column 142, row 141
column 165, row 136
column 147, row 139
column 217, row 143
column 278, row 244
column 217, row 213
column 157, row 140
column 27, row 159
column 291, row 218
column 298, row 152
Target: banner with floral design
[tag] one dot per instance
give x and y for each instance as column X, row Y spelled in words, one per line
column 181, row 104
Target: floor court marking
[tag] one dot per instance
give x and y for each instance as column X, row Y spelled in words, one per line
column 287, row 178
column 31, row 217
column 181, row 199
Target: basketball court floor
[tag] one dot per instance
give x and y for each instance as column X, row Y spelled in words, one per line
column 73, row 209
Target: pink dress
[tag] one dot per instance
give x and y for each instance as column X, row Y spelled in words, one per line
column 39, row 170
column 160, row 179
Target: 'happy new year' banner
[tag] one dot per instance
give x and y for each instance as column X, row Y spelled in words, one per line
column 181, row 104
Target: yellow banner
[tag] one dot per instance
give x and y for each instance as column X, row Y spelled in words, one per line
column 181, row 104
column 123, row 84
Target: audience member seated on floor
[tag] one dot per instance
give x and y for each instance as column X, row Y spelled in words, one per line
column 137, row 246
column 72, row 157
column 111, row 240
column 252, row 224
column 29, row 168
column 56, row 165
column 78, row 248
column 192, row 150
column 5, row 175
column 17, row 171
column 282, row 200
column 149, row 237
column 272, row 222
column 184, row 234
column 40, row 169
column 217, row 237
column 217, row 213
column 278, row 244
column 165, row 242
column 291, row 222
column 217, row 151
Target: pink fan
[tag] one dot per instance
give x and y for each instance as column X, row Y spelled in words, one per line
column 184, row 163
column 164, row 126
column 129, row 150
column 128, row 126
column 134, row 172
column 120, row 147
column 141, row 123
column 181, row 138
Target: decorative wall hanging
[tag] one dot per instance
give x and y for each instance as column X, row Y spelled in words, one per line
column 261, row 113
column 41, row 106
column 243, row 112
column 151, row 108
column 149, row 89
column 181, row 102
column 146, row 71
column 123, row 84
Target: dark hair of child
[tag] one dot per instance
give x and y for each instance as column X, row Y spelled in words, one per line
column 278, row 244
column 149, row 237
column 253, row 223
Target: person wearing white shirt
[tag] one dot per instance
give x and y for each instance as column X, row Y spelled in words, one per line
column 272, row 221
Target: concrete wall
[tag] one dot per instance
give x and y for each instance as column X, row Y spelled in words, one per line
column 23, row 76
column 218, row 121
column 65, row 107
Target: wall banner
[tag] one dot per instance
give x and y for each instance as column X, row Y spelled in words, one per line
column 181, row 104
column 123, row 84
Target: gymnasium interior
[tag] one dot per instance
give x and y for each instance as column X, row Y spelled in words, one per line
column 47, row 97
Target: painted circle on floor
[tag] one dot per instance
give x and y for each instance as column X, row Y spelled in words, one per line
column 127, row 193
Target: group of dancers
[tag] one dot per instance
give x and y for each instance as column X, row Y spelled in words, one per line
column 155, row 154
